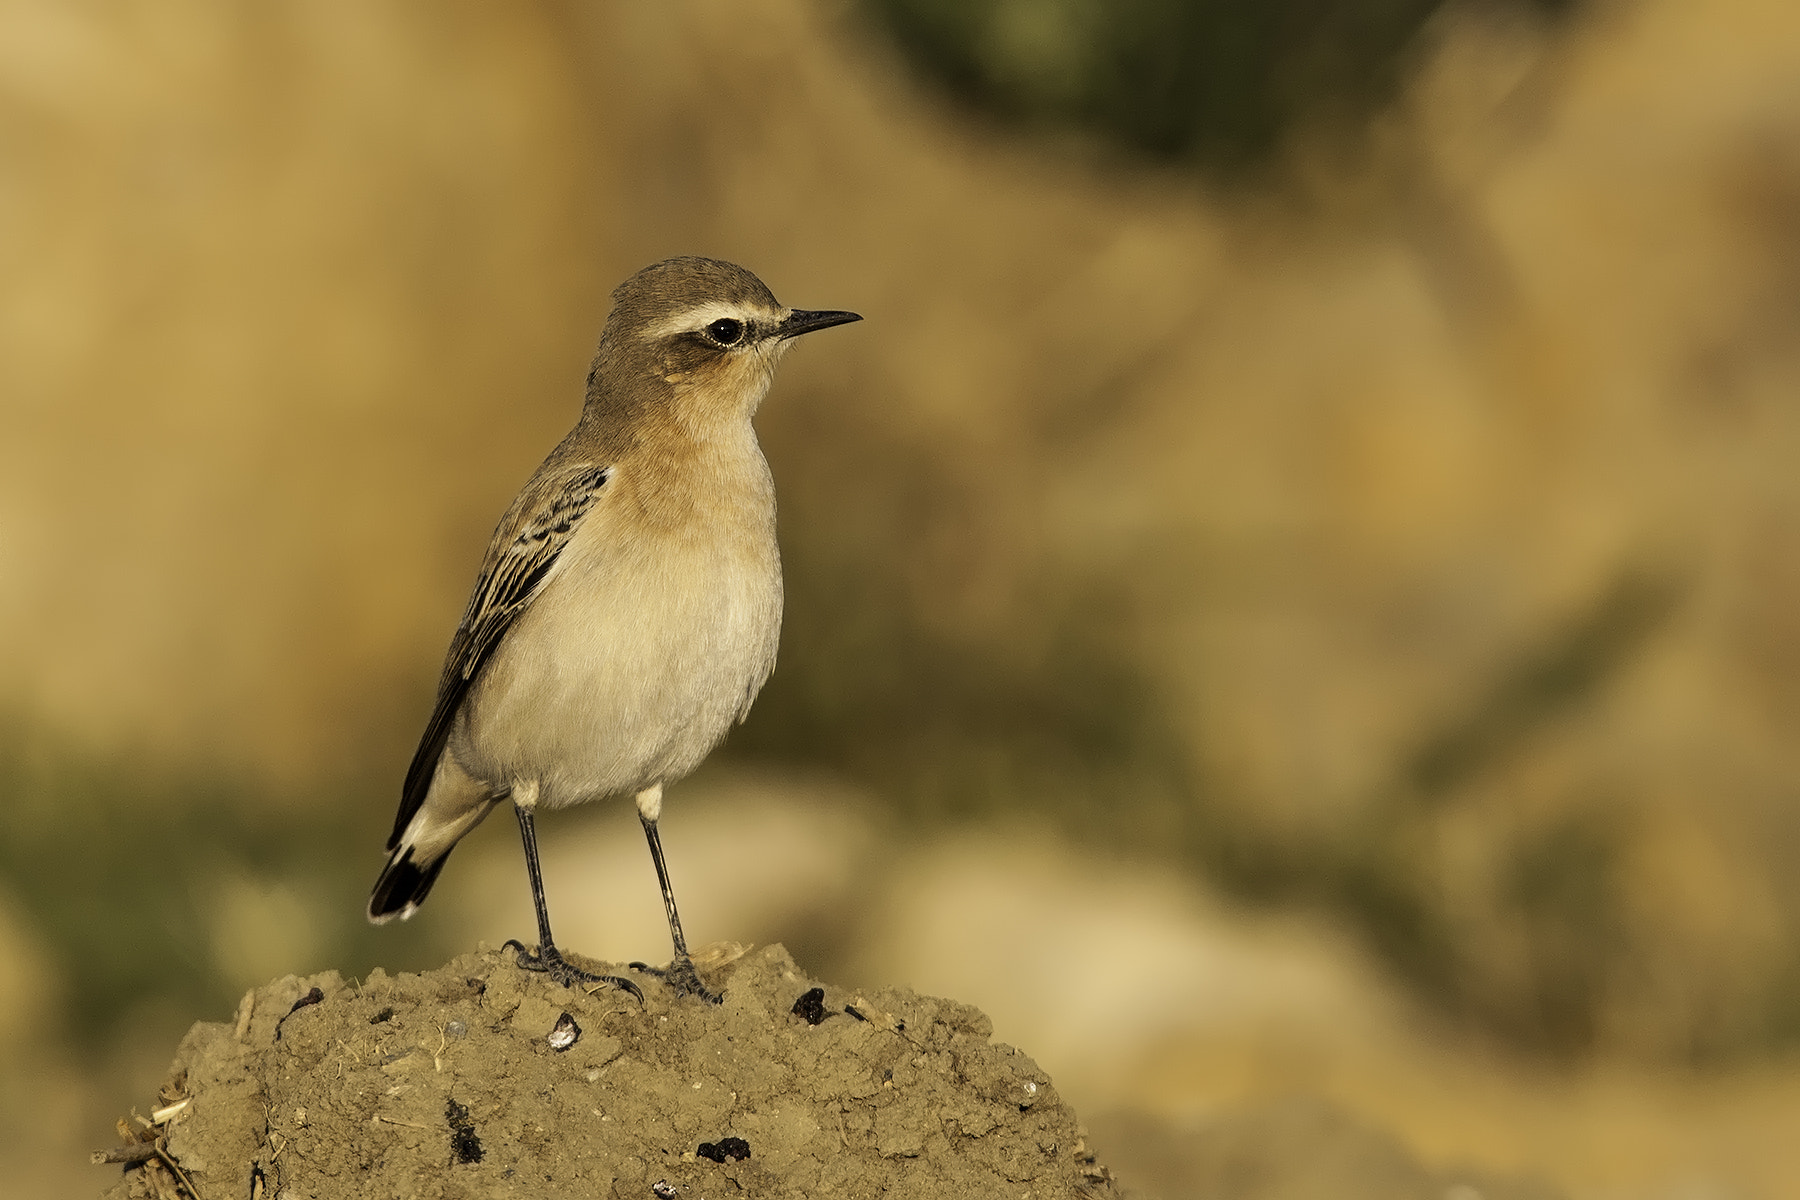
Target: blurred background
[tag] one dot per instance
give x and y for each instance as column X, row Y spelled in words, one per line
column 1294, row 589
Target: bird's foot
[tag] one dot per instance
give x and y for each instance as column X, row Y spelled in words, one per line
column 548, row 960
column 682, row 979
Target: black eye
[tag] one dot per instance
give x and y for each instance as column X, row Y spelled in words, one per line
column 725, row 331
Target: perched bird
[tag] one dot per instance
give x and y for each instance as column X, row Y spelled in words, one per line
column 628, row 609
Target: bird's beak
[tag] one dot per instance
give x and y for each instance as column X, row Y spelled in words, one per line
column 805, row 320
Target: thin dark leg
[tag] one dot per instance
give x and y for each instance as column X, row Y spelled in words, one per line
column 668, row 892
column 548, row 958
column 679, row 974
column 534, row 872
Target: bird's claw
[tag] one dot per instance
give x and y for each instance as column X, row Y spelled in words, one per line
column 682, row 979
column 548, row 960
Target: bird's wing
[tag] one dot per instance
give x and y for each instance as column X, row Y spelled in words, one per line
column 519, row 560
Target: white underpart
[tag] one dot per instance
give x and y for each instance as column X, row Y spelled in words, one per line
column 649, row 802
column 640, row 652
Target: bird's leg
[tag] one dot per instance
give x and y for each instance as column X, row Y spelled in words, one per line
column 679, row 974
column 547, row 958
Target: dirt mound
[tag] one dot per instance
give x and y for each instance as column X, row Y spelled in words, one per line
column 479, row 1079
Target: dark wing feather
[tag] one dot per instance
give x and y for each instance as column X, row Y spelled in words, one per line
column 540, row 524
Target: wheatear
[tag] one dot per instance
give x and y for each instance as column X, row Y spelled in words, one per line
column 629, row 606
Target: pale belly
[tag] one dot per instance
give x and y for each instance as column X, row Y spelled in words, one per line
column 627, row 671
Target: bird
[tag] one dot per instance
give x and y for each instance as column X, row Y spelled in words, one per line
column 628, row 609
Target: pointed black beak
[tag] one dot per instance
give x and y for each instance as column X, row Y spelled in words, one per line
column 805, row 320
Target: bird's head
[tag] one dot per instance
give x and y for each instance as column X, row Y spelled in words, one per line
column 697, row 339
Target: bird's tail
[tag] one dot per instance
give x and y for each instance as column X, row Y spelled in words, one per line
column 403, row 884
column 455, row 805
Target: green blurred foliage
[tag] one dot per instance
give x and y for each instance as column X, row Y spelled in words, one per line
column 120, row 868
column 1219, row 83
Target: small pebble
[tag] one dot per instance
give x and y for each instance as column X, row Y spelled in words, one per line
column 732, row 1149
column 811, row 1006
column 456, row 1029
column 565, row 1033
column 662, row 1189
column 465, row 1144
column 314, row 996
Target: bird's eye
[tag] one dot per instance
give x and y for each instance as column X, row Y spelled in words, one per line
column 725, row 331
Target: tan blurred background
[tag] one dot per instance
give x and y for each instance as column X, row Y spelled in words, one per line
column 1311, row 609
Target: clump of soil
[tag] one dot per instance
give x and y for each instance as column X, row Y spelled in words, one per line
column 482, row 1080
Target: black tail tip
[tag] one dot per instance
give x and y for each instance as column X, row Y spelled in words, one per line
column 402, row 887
